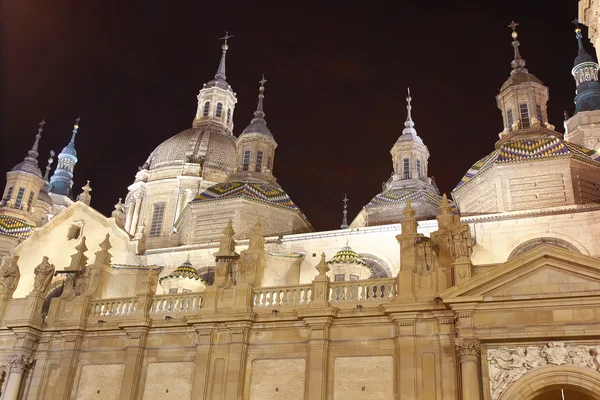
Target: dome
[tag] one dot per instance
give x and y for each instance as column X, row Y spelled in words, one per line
column 213, row 145
column 518, row 78
column 582, row 57
column 544, row 147
column 347, row 256
column 185, row 270
column 29, row 166
column 400, row 196
column 69, row 150
column 253, row 191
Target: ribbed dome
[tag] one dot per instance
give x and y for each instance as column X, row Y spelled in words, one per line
column 213, row 145
column 347, row 256
column 520, row 77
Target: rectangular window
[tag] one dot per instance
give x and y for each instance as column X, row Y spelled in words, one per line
column 206, row 109
column 157, row 219
column 259, row 160
column 173, row 291
column 186, row 291
column 338, row 278
column 30, row 201
column 538, row 113
column 9, row 193
column 419, row 169
column 269, row 163
column 19, row 199
column 246, row 164
column 524, row 112
column 219, row 111
column 354, row 277
column 406, row 168
column 510, row 119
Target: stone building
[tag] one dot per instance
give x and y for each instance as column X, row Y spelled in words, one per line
column 208, row 282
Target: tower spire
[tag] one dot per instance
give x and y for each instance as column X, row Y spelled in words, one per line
column 75, row 128
column 33, row 153
column 259, row 113
column 409, row 124
column 518, row 64
column 345, row 218
column 221, row 70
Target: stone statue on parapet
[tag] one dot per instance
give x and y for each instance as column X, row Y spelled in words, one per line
column 43, row 276
column 461, row 242
column 9, row 276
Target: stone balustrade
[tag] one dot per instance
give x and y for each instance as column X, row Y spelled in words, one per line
column 118, row 307
column 369, row 291
column 176, row 303
column 296, row 296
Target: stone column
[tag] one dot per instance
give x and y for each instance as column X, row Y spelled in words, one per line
column 18, row 365
column 129, row 218
column 468, row 356
column 318, row 354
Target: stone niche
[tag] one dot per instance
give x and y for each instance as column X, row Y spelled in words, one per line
column 369, row 378
column 169, row 380
column 102, row 382
column 289, row 384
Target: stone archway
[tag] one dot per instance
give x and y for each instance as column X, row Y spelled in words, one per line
column 539, row 384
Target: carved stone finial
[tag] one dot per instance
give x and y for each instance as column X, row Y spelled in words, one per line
column 119, row 214
column 322, row 267
column 103, row 257
column 43, row 276
column 85, row 196
column 227, row 244
column 79, row 260
column 445, row 207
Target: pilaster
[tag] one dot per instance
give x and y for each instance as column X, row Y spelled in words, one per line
column 204, row 340
column 72, row 341
column 468, row 350
column 133, row 362
column 318, row 355
column 238, row 353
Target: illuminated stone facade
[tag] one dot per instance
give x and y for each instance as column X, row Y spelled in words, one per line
column 225, row 291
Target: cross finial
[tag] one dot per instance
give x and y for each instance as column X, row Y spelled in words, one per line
column 262, row 81
column 345, row 200
column 513, row 25
column 226, row 37
column 42, row 122
column 575, row 22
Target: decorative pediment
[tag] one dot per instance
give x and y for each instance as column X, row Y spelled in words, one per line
column 545, row 271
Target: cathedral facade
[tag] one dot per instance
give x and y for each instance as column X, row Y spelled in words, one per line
column 208, row 282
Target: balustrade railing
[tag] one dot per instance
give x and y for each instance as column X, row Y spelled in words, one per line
column 283, row 296
column 366, row 291
column 176, row 303
column 113, row 307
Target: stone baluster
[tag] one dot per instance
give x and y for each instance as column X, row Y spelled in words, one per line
column 468, row 350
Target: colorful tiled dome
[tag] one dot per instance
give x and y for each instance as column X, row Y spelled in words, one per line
column 16, row 227
column 530, row 149
column 400, row 196
column 185, row 270
column 254, row 191
column 347, row 256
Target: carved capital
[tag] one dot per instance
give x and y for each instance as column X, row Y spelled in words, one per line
column 20, row 363
column 468, row 349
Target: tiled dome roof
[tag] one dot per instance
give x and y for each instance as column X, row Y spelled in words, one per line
column 254, row 191
column 347, row 256
column 185, row 270
column 530, row 149
column 518, row 78
column 400, row 196
column 16, row 227
column 212, row 144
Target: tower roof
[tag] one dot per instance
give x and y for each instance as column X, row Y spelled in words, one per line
column 519, row 74
column 30, row 163
column 409, row 132
column 185, row 270
column 220, row 77
column 582, row 55
column 258, row 123
column 69, row 149
column 347, row 256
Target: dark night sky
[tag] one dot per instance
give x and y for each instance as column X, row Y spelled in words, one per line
column 335, row 97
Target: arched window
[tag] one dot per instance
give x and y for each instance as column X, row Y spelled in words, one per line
column 246, row 163
column 533, row 243
column 219, row 112
column 228, row 115
column 259, row 161
column 206, row 109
